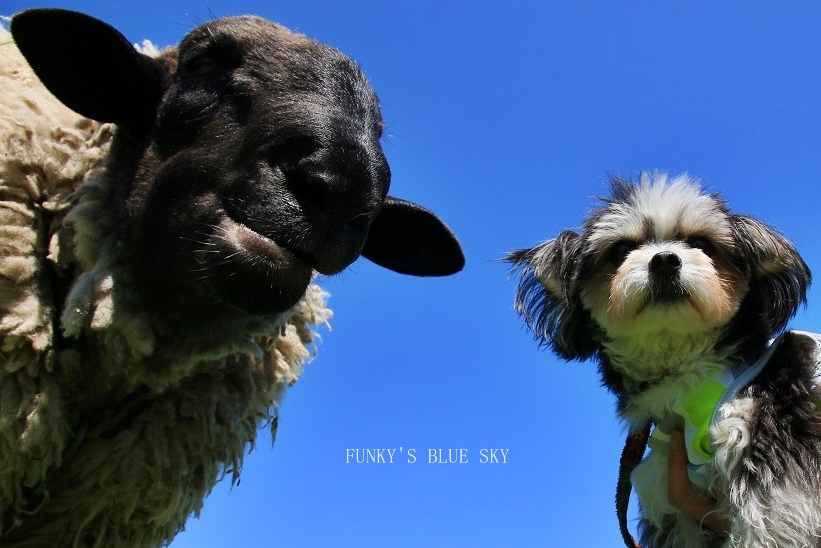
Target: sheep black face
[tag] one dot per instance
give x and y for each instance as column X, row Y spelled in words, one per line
column 250, row 158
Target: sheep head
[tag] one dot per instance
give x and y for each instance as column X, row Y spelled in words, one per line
column 249, row 159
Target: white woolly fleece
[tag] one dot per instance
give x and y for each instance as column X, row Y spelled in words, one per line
column 168, row 420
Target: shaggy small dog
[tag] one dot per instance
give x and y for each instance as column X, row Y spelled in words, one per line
column 680, row 300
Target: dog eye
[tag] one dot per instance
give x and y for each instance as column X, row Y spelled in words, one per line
column 620, row 250
column 702, row 243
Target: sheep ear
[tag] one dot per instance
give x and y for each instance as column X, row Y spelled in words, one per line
column 779, row 278
column 89, row 66
column 546, row 300
column 409, row 239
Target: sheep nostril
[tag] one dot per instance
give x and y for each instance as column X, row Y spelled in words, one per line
column 665, row 263
column 309, row 189
column 361, row 222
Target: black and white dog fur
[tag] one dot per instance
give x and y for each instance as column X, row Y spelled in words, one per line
column 665, row 286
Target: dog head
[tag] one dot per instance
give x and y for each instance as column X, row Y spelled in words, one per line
column 660, row 275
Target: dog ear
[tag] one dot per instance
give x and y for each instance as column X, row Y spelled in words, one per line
column 779, row 278
column 547, row 299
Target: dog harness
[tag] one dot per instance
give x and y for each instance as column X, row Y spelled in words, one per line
column 700, row 407
column 695, row 414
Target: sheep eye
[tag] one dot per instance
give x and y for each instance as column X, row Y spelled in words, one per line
column 702, row 243
column 202, row 65
column 620, row 250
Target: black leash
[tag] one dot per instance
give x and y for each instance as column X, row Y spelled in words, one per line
column 631, row 456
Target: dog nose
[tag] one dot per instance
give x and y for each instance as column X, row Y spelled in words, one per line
column 665, row 263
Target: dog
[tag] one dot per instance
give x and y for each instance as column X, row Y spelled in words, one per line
column 684, row 305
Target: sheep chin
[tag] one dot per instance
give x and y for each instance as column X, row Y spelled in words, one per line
column 254, row 273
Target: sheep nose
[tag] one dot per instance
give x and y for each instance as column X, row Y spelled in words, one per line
column 328, row 196
column 665, row 263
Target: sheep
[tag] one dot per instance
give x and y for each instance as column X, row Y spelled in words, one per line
column 162, row 222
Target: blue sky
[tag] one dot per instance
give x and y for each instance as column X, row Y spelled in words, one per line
column 504, row 118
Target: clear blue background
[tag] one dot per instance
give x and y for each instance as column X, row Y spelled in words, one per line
column 504, row 118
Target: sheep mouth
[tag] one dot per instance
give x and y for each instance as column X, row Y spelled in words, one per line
column 260, row 245
column 254, row 272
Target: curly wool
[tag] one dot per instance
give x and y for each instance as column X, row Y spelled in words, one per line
column 113, row 427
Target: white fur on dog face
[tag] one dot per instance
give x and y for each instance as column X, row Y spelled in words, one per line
column 674, row 207
column 662, row 216
column 619, row 300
